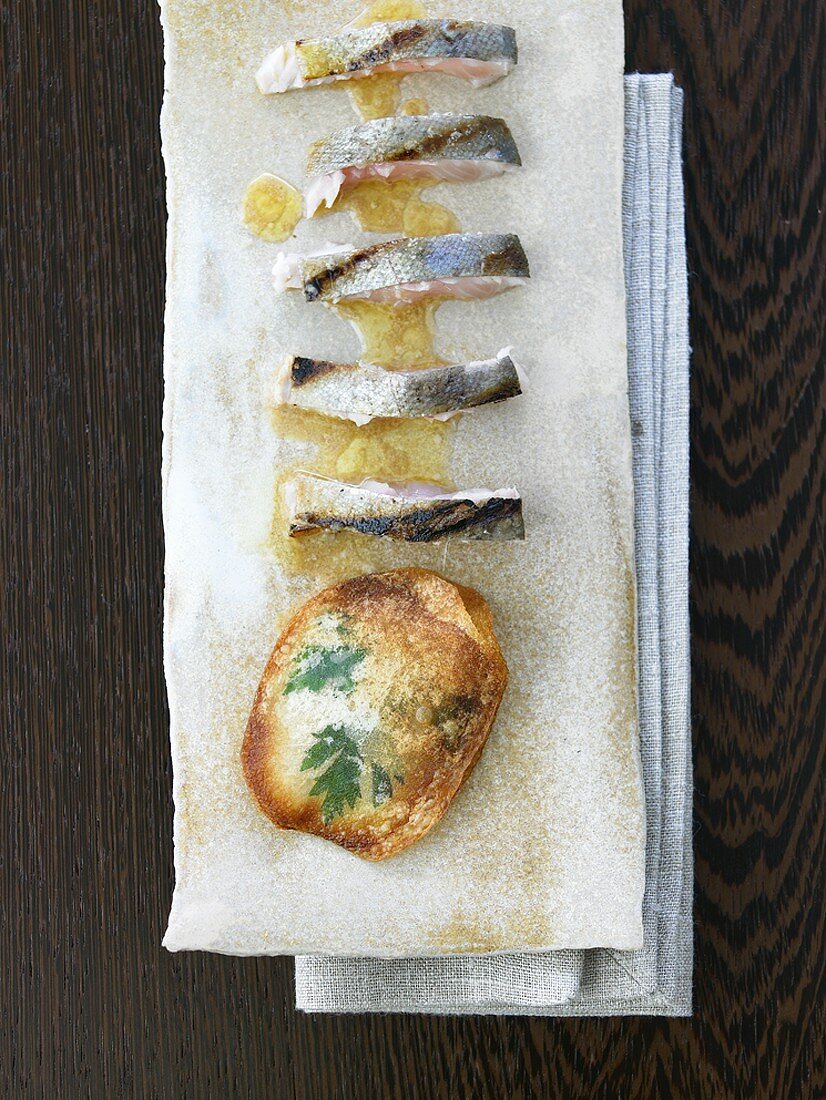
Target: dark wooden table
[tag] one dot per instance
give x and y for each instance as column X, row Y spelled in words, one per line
column 92, row 1005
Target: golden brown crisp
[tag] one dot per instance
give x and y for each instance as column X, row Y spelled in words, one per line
column 374, row 707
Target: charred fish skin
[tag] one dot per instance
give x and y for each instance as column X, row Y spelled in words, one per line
column 359, row 51
column 317, row 504
column 362, row 391
column 411, row 260
column 498, row 519
column 414, row 137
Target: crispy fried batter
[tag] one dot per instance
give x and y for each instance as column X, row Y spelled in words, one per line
column 374, row 707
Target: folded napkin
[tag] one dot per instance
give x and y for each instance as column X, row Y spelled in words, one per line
column 657, row 979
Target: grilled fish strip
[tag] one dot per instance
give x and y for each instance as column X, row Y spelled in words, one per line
column 478, row 52
column 414, row 137
column 453, row 265
column 407, row 513
column 362, row 391
column 444, row 148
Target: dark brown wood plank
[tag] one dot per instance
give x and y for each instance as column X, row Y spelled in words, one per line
column 91, row 1004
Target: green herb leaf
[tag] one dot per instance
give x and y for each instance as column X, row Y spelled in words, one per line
column 339, row 785
column 382, row 785
column 326, row 746
column 317, row 667
column 343, row 625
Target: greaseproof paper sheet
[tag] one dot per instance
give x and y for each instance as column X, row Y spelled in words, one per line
column 543, row 847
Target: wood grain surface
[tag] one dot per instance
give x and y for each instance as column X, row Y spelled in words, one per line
column 91, row 1005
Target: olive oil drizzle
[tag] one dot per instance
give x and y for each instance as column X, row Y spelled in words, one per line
column 389, row 11
column 375, row 96
column 396, row 335
column 272, row 208
column 395, row 206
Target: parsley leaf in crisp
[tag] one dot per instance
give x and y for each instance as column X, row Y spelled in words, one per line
column 339, row 784
column 317, row 667
column 327, row 745
column 382, row 785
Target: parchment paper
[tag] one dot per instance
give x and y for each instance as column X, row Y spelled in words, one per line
column 543, row 848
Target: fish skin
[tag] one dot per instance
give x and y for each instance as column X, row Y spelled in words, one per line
column 363, row 391
column 316, row 504
column 358, row 50
column 414, row 137
column 412, row 260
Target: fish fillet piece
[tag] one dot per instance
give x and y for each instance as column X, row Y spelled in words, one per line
column 362, row 391
column 453, row 265
column 447, row 148
column 480, row 53
column 373, row 709
column 408, row 511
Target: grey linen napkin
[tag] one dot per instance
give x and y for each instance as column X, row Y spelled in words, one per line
column 657, row 979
